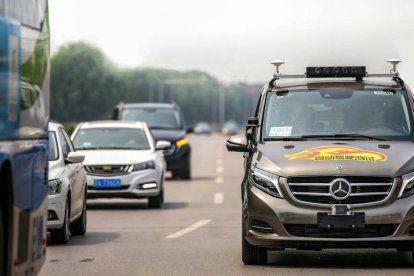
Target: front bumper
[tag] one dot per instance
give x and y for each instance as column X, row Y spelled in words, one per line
column 131, row 185
column 56, row 210
column 282, row 215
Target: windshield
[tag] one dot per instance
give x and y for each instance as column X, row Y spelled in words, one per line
column 156, row 118
column 333, row 112
column 111, row 138
column 53, row 148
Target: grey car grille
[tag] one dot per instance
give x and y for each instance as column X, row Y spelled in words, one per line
column 313, row 231
column 108, row 170
column 363, row 189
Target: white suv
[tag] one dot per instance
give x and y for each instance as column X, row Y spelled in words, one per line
column 67, row 187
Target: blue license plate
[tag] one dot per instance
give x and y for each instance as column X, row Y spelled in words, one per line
column 107, row 183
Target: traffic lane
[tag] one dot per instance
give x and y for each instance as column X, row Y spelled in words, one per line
column 113, row 222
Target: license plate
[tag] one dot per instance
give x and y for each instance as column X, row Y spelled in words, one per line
column 354, row 220
column 107, row 183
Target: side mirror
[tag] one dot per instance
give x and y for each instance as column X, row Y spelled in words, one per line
column 237, row 143
column 252, row 121
column 75, row 157
column 190, row 130
column 160, row 145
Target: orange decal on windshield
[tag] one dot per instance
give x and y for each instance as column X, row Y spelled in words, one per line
column 338, row 153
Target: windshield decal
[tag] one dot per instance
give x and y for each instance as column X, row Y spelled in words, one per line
column 338, row 153
column 280, row 131
column 383, row 93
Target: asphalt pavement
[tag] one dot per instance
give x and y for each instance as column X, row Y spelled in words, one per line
column 197, row 232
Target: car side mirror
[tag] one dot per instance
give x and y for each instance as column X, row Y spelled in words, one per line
column 190, row 130
column 160, row 145
column 75, row 157
column 237, row 143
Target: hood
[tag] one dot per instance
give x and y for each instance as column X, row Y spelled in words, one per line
column 171, row 135
column 55, row 168
column 116, row 157
column 312, row 158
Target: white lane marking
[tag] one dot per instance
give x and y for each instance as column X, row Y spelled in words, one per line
column 218, row 198
column 219, row 180
column 219, row 169
column 189, row 229
column 219, row 161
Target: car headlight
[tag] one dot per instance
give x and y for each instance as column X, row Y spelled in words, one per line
column 182, row 142
column 55, row 186
column 407, row 187
column 142, row 166
column 267, row 182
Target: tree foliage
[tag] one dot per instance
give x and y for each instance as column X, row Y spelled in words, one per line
column 85, row 85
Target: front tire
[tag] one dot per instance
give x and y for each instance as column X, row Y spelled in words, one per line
column 156, row 201
column 78, row 227
column 252, row 255
column 61, row 236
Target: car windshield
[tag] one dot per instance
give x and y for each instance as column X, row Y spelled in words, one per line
column 327, row 113
column 111, row 138
column 156, row 118
column 53, row 148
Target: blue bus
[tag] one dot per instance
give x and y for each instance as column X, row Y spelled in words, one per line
column 24, row 114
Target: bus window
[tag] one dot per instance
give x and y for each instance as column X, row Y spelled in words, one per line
column 2, row 8
column 30, row 13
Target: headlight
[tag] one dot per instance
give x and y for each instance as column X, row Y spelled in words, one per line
column 142, row 166
column 55, row 186
column 407, row 187
column 182, row 142
column 267, row 182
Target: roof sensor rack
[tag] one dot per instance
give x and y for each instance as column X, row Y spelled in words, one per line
column 357, row 72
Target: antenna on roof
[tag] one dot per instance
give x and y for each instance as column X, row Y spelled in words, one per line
column 277, row 64
column 394, row 62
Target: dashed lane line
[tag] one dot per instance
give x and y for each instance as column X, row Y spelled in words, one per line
column 219, row 169
column 218, row 198
column 219, row 180
column 189, row 229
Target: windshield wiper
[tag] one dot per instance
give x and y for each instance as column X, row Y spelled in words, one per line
column 353, row 136
column 294, row 138
column 155, row 127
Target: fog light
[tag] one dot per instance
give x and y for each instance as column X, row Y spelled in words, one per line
column 149, row 186
column 51, row 215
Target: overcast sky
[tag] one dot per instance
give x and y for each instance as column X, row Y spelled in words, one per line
column 234, row 40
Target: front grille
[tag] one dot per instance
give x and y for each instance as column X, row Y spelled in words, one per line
column 313, row 231
column 108, row 170
column 363, row 189
column 123, row 187
column 261, row 226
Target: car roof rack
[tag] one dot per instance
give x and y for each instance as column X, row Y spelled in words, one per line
column 357, row 72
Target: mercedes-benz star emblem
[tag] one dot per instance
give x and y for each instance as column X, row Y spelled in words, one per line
column 340, row 189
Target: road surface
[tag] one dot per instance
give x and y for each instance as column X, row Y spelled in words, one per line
column 196, row 232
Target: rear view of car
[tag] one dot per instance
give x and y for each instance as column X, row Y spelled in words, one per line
column 122, row 160
column 166, row 123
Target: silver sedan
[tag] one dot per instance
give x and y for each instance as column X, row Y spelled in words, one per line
column 67, row 187
column 122, row 160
